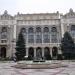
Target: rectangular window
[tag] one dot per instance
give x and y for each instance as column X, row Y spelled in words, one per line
column 3, row 36
column 3, row 41
column 30, row 38
column 54, row 38
column 39, row 38
column 46, row 38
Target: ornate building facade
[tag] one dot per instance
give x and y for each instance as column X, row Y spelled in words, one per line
column 42, row 32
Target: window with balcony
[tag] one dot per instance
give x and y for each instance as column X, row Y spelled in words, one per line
column 4, row 33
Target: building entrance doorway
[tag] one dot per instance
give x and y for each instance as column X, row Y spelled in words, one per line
column 31, row 53
column 54, row 52
column 47, row 53
column 3, row 52
column 38, row 53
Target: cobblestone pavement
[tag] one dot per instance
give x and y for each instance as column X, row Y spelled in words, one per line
column 6, row 69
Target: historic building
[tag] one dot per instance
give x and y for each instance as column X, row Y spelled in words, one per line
column 42, row 32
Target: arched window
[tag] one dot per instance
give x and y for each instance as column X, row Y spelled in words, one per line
column 38, row 29
column 54, row 35
column 46, row 30
column 53, row 29
column 31, row 30
column 31, row 35
column 23, row 30
column 38, row 36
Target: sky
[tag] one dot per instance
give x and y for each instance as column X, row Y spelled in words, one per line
column 36, row 6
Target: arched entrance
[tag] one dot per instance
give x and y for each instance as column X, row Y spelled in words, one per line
column 3, row 52
column 38, row 53
column 47, row 53
column 31, row 53
column 54, row 51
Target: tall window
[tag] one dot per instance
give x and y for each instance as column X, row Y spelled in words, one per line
column 46, row 38
column 54, row 38
column 30, row 30
column 53, row 29
column 46, row 30
column 54, row 35
column 23, row 30
column 46, row 35
column 4, row 33
column 38, row 30
column 31, row 35
column 38, row 35
column 31, row 38
column 39, row 38
column 73, row 30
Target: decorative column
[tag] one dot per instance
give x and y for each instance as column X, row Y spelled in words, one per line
column 42, row 37
column 62, row 28
column 27, row 39
column 34, row 38
column 42, row 52
column 0, row 52
column 26, row 51
column 51, row 51
column 50, row 38
column 34, row 52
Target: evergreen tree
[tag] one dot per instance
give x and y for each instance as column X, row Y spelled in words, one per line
column 68, row 46
column 20, row 47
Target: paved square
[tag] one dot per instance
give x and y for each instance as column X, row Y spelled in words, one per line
column 6, row 69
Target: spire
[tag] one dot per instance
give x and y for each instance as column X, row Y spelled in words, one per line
column 5, row 12
column 71, row 10
column 18, row 13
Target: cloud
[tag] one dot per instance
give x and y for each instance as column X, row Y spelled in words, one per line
column 32, row 6
column 36, row 6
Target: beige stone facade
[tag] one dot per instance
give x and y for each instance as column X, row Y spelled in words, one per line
column 41, row 31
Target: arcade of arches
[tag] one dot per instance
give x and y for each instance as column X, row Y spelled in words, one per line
column 40, row 52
